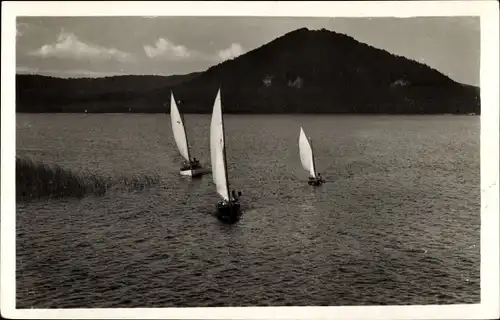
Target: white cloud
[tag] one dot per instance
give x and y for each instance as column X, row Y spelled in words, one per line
column 167, row 49
column 232, row 52
column 69, row 46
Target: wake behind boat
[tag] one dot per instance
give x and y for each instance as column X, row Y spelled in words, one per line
column 191, row 168
column 307, row 159
column 228, row 209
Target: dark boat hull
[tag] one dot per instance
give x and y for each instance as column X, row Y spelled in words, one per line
column 229, row 212
column 316, row 182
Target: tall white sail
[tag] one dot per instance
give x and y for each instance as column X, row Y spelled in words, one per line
column 178, row 129
column 217, row 150
column 306, row 154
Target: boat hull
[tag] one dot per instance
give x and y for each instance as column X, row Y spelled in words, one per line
column 229, row 212
column 316, row 182
column 194, row 172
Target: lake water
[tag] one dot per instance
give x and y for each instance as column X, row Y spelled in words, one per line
column 398, row 221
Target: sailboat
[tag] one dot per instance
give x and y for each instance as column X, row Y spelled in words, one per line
column 190, row 167
column 228, row 208
column 307, row 159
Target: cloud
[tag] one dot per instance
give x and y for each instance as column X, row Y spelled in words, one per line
column 166, row 49
column 69, row 46
column 21, row 28
column 232, row 52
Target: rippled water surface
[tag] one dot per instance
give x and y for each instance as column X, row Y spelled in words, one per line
column 398, row 221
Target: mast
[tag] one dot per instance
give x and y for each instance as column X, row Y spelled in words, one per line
column 312, row 154
column 185, row 133
column 224, row 149
column 183, row 127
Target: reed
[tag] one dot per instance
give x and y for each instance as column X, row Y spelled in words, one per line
column 35, row 180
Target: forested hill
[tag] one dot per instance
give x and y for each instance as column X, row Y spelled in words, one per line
column 37, row 93
column 302, row 71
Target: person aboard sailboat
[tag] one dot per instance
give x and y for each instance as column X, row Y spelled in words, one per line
column 235, row 197
column 191, row 165
column 316, row 181
column 195, row 163
column 320, row 178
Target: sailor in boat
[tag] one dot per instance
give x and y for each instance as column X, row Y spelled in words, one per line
column 191, row 165
column 316, row 181
column 236, row 198
column 195, row 164
column 320, row 179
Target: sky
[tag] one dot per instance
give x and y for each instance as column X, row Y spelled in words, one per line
column 103, row 46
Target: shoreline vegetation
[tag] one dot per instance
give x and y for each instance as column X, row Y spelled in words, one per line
column 38, row 180
column 302, row 72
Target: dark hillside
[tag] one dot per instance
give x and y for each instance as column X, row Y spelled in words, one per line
column 326, row 72
column 37, row 93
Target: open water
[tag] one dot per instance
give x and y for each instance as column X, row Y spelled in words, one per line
column 398, row 221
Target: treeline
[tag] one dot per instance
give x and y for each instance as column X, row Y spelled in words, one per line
column 301, row 72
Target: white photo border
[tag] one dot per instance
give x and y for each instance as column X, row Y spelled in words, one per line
column 489, row 80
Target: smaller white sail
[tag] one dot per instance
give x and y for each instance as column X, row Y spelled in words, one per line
column 178, row 129
column 306, row 154
column 217, row 150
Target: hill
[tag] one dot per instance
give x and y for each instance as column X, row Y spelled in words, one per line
column 303, row 71
column 37, row 93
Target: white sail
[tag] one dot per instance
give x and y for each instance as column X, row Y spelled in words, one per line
column 217, row 150
column 178, row 129
column 306, row 154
